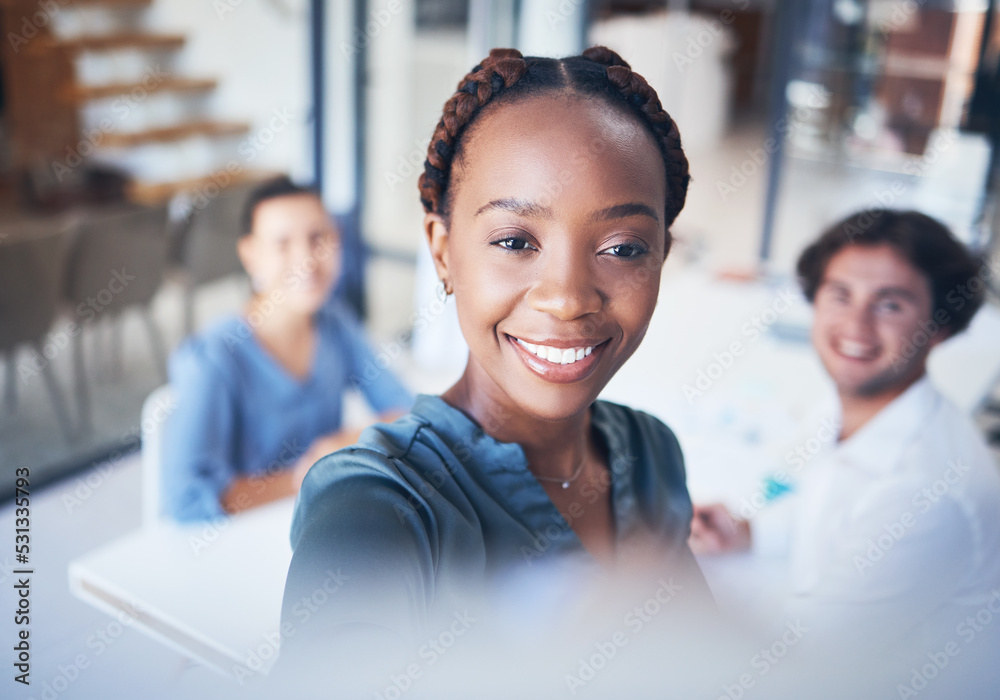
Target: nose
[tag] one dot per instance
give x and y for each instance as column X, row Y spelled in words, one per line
column 858, row 321
column 566, row 287
column 302, row 258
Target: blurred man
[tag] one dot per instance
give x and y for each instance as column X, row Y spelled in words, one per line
column 895, row 533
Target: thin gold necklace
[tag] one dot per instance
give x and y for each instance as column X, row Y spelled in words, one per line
column 565, row 482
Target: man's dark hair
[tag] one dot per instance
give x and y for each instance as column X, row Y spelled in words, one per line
column 272, row 189
column 955, row 275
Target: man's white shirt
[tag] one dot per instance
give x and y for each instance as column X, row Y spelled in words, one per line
column 894, row 533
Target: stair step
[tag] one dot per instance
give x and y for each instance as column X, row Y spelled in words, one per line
column 85, row 93
column 111, row 42
column 174, row 133
column 114, row 4
column 154, row 193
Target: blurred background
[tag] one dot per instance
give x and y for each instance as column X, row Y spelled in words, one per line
column 131, row 131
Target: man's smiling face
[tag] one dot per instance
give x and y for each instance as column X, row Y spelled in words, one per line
column 869, row 308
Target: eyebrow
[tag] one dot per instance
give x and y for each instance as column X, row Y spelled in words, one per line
column 897, row 292
column 517, row 206
column 526, row 208
column 880, row 292
column 622, row 211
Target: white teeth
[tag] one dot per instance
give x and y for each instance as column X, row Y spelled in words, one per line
column 559, row 356
column 855, row 350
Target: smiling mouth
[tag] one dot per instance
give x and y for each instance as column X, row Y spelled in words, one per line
column 854, row 350
column 560, row 365
column 557, row 356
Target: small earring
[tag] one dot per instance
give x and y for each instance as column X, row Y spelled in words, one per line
column 445, row 288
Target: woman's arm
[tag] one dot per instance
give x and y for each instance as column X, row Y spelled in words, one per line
column 246, row 492
column 250, row 491
column 287, row 484
column 198, row 449
column 200, row 475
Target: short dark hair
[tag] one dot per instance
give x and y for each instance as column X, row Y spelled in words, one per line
column 271, row 189
column 958, row 286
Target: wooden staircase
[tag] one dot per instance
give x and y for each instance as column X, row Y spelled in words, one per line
column 46, row 98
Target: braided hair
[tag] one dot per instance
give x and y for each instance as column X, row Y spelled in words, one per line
column 506, row 75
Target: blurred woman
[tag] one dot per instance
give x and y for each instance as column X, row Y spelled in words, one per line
column 259, row 394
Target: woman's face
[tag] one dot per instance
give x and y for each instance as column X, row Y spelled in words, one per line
column 554, row 249
column 292, row 253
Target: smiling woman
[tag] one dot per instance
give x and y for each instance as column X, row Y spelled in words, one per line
column 550, row 187
column 259, row 394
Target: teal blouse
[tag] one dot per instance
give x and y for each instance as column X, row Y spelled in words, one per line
column 424, row 509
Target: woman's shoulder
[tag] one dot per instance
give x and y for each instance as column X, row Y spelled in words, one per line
column 638, row 427
column 646, row 459
column 401, row 455
column 212, row 349
column 640, row 444
column 382, row 450
column 379, row 468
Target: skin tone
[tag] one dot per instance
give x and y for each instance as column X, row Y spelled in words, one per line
column 292, row 254
column 868, row 308
column 555, row 237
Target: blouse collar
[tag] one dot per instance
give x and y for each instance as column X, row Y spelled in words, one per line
column 505, row 469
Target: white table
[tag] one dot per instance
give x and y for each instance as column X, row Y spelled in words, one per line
column 212, row 592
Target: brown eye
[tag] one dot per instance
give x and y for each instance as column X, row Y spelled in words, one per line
column 627, row 251
column 513, row 243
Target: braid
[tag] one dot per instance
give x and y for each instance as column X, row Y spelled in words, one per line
column 604, row 56
column 638, row 93
column 505, row 67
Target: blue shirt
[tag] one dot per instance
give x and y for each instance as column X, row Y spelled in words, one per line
column 430, row 506
column 240, row 413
